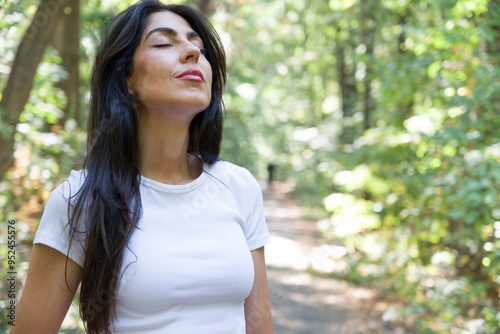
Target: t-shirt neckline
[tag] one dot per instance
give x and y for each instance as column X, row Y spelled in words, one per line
column 176, row 188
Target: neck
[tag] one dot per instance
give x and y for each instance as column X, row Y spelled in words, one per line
column 163, row 152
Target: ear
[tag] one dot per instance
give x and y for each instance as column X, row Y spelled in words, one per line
column 129, row 86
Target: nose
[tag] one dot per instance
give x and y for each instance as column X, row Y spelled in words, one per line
column 190, row 53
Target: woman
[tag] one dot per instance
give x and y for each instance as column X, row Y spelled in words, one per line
column 163, row 236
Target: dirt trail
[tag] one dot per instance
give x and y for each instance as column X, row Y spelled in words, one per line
column 303, row 304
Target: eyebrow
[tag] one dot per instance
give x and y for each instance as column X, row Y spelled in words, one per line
column 172, row 32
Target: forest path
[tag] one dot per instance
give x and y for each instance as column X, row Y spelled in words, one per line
column 301, row 303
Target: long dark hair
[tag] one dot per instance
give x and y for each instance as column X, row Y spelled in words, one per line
column 108, row 205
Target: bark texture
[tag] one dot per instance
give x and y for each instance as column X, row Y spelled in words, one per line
column 18, row 87
column 67, row 42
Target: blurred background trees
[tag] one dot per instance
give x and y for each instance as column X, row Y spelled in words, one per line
column 382, row 115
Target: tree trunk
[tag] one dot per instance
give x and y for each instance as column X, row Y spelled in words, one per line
column 368, row 26
column 341, row 69
column 347, row 84
column 18, row 87
column 492, row 46
column 407, row 100
column 204, row 6
column 67, row 42
column 367, row 94
column 346, row 77
column 402, row 34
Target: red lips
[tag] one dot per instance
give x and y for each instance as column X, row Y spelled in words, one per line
column 191, row 74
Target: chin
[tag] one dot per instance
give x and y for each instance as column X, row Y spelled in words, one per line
column 180, row 113
column 196, row 108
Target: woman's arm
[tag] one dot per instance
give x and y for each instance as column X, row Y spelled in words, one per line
column 258, row 305
column 46, row 298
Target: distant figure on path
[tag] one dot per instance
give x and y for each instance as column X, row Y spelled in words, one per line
column 270, row 171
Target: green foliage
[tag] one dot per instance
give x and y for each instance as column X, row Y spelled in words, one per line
column 46, row 149
column 413, row 198
column 416, row 197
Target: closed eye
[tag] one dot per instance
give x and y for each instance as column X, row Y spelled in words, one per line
column 203, row 51
column 162, row 45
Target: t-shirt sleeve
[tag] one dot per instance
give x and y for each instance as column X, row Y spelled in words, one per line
column 54, row 230
column 256, row 233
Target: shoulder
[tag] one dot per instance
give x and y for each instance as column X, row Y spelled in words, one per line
column 70, row 187
column 235, row 177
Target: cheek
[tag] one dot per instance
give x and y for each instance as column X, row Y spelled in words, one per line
column 146, row 69
column 209, row 76
column 133, row 79
column 147, row 75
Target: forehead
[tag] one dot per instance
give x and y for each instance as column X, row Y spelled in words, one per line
column 169, row 20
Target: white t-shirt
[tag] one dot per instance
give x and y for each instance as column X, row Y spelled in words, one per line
column 188, row 268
